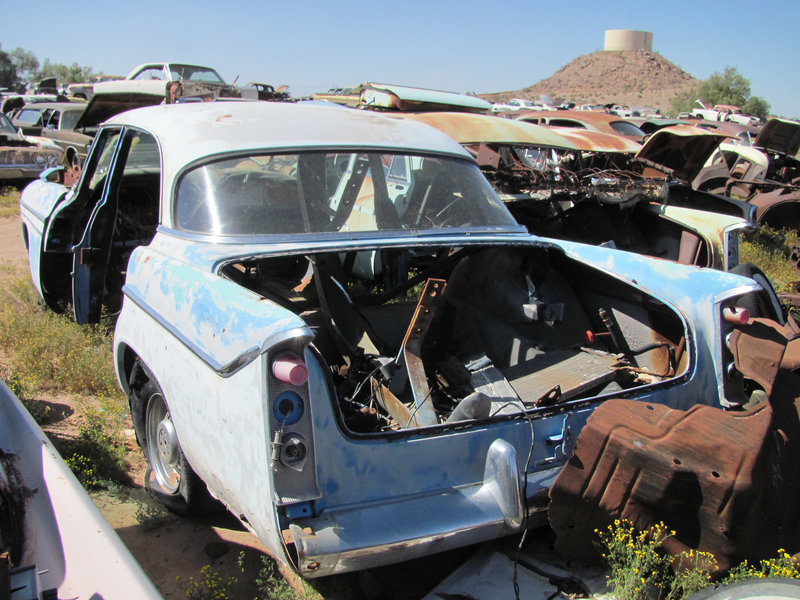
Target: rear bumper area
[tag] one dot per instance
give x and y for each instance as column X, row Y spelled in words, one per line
column 360, row 537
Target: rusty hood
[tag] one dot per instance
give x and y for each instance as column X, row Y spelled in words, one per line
column 598, row 141
column 104, row 106
column 680, row 151
column 468, row 128
column 781, row 136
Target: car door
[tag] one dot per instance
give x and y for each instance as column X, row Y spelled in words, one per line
column 54, row 215
column 92, row 253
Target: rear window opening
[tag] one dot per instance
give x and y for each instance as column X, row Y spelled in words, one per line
column 420, row 337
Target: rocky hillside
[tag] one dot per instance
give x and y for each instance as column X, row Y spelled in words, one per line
column 636, row 78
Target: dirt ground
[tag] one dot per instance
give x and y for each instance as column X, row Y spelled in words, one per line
column 172, row 549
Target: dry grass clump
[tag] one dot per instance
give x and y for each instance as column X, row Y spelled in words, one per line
column 9, row 201
column 47, row 351
column 770, row 251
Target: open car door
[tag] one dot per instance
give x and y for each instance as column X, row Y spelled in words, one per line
column 134, row 156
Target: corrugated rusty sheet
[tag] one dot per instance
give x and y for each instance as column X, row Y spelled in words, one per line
column 474, row 129
column 596, row 141
column 726, row 482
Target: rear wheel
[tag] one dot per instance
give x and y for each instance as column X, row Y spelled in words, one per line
column 170, row 478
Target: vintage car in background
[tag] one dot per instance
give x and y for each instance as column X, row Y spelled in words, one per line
column 85, row 91
column 723, row 112
column 766, row 174
column 24, row 157
column 56, row 121
column 590, row 187
column 267, row 92
column 328, row 320
column 590, row 120
column 516, row 104
column 386, row 96
column 172, row 81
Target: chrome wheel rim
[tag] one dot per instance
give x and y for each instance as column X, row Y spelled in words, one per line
column 163, row 448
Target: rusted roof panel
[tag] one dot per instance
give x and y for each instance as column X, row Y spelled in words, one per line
column 474, row 129
column 596, row 141
column 780, row 135
column 726, row 482
column 683, row 149
column 405, row 98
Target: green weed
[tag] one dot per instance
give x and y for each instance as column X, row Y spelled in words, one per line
column 269, row 582
column 95, row 457
column 782, row 565
column 640, row 568
column 770, row 250
column 9, row 202
column 40, row 411
column 150, row 515
column 209, row 586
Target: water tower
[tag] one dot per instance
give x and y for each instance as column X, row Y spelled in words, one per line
column 628, row 39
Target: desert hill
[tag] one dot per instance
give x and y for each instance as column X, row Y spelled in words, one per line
column 633, row 77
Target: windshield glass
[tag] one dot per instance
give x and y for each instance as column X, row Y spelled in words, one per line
column 69, row 118
column 319, row 192
column 194, row 73
column 29, row 117
column 625, row 128
column 6, row 127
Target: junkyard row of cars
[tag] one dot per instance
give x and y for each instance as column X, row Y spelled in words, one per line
column 377, row 334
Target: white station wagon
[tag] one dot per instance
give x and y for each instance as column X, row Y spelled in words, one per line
column 328, row 321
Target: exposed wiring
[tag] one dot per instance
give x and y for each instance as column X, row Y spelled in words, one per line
column 524, row 492
column 363, row 382
column 416, row 408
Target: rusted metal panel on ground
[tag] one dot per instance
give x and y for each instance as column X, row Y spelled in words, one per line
column 726, row 482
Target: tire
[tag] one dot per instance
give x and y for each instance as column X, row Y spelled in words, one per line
column 169, row 478
column 760, row 304
column 775, row 588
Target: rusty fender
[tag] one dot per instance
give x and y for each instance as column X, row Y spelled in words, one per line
column 726, row 482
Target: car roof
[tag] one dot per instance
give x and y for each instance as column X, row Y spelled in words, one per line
column 467, row 128
column 156, row 63
column 586, row 116
column 55, row 105
column 191, row 132
column 598, row 141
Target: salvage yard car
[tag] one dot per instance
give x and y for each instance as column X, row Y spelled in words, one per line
column 24, row 157
column 56, row 121
column 329, row 321
column 171, row 81
column 589, row 186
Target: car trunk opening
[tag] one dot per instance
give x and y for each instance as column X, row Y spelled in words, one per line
column 418, row 337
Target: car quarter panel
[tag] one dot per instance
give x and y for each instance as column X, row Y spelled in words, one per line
column 224, row 324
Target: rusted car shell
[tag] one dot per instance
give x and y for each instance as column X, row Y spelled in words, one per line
column 684, row 163
column 595, row 121
column 399, row 97
column 726, row 482
column 781, row 136
column 474, row 129
column 597, row 141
